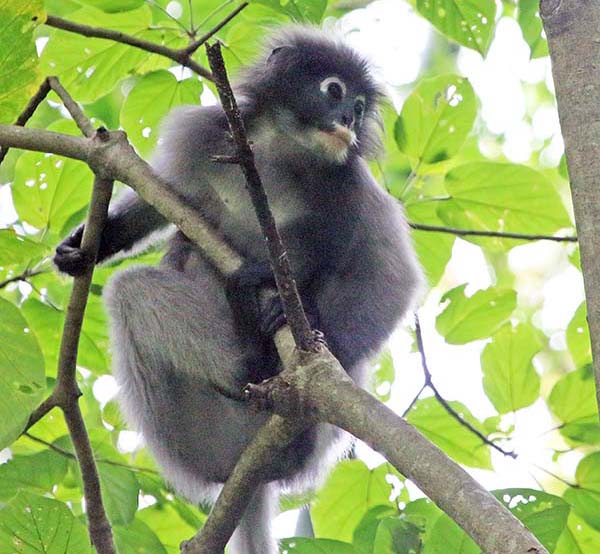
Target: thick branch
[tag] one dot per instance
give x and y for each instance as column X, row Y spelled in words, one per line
column 572, row 30
column 179, row 56
column 351, row 408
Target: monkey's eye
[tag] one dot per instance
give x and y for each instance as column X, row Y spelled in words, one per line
column 334, row 88
column 359, row 108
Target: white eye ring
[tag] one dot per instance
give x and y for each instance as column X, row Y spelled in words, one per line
column 326, row 82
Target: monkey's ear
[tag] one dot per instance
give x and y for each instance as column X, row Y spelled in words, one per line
column 277, row 51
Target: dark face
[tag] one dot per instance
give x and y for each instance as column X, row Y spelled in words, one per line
column 330, row 113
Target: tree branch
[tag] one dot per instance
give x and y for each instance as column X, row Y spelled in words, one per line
column 286, row 285
column 444, row 403
column 207, row 36
column 352, row 408
column 21, row 277
column 571, row 28
column 66, row 392
column 26, row 114
column 179, row 56
column 82, row 121
column 476, row 233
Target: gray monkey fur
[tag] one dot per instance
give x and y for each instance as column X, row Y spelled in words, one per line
column 177, row 345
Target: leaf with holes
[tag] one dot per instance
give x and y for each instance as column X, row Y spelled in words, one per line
column 150, row 100
column 32, row 523
column 436, row 119
column 20, row 76
column 468, row 22
column 502, row 197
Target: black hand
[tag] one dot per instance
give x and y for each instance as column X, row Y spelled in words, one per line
column 272, row 316
column 69, row 258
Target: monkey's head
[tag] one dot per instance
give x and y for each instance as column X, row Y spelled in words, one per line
column 318, row 91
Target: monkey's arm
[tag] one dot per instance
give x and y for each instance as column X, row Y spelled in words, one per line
column 130, row 219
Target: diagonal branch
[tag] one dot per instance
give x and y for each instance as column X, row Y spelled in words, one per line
column 82, row 121
column 207, row 36
column 26, row 114
column 280, row 264
column 444, row 403
column 179, row 56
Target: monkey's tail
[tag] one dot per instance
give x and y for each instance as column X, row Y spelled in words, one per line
column 253, row 535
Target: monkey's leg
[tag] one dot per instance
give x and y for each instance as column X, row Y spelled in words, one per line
column 175, row 346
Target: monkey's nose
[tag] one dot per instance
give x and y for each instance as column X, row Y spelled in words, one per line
column 347, row 120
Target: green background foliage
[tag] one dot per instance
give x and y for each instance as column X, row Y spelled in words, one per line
column 435, row 164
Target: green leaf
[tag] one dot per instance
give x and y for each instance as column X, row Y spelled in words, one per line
column 137, row 537
column 113, row 6
column 573, row 397
column 477, row 317
column 91, row 67
column 47, row 323
column 436, row 119
column 468, row 22
column 446, row 536
column 169, row 526
column 545, row 515
column 509, row 378
column 30, row 523
column 429, row 417
column 39, row 472
column 316, row 546
column 20, row 76
column 365, row 532
column 578, row 337
column 22, row 381
column 397, row 535
column 48, row 189
column 351, row 490
column 384, row 375
column 119, row 492
column 433, row 249
column 578, row 538
column 532, row 29
column 502, row 197
column 150, row 100
column 16, row 249
column 304, row 11
column 585, row 498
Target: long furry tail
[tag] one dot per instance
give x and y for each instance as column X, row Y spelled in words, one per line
column 253, row 535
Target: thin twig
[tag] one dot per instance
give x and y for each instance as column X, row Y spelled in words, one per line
column 303, row 335
column 198, row 43
column 21, row 277
column 178, row 56
column 82, row 121
column 26, row 114
column 499, row 234
column 445, row 404
column 72, row 456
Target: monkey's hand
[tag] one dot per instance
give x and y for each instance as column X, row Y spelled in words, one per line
column 272, row 316
column 69, row 258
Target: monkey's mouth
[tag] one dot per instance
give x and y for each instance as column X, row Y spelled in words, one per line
column 339, row 136
column 342, row 134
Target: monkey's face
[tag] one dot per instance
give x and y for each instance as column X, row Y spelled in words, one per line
column 328, row 115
